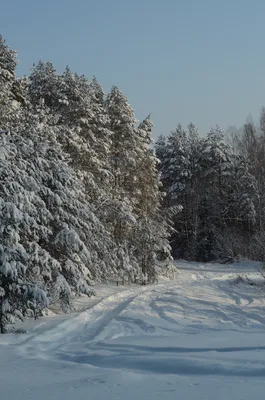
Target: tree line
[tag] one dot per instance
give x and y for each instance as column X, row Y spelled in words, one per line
column 80, row 197
column 215, row 187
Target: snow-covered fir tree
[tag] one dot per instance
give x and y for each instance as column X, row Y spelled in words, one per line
column 19, row 293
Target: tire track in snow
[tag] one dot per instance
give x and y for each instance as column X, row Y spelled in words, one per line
column 115, row 334
column 87, row 325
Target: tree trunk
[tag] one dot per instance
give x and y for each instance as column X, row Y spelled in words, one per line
column 1, row 322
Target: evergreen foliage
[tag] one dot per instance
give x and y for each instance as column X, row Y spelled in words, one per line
column 79, row 190
column 214, row 191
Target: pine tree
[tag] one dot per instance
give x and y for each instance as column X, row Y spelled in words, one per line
column 8, row 63
column 124, row 152
column 44, row 85
column 151, row 231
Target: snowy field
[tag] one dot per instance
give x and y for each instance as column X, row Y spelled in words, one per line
column 201, row 336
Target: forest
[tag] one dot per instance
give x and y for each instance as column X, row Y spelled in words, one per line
column 86, row 196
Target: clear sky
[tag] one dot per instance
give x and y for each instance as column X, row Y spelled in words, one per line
column 181, row 60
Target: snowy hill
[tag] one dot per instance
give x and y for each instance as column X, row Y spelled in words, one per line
column 198, row 337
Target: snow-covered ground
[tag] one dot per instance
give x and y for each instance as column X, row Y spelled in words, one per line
column 201, row 336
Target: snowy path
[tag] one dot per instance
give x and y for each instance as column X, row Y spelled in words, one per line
column 200, row 336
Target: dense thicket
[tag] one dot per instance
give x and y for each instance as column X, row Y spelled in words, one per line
column 80, row 196
column 216, row 191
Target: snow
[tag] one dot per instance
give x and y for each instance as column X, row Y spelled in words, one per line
column 200, row 336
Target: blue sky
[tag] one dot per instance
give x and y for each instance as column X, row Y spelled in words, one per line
column 181, row 60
